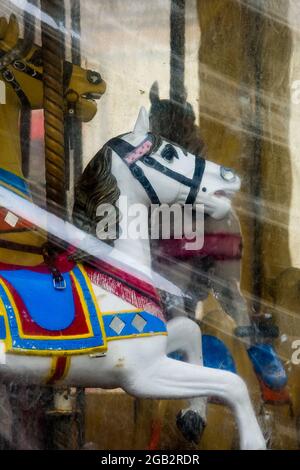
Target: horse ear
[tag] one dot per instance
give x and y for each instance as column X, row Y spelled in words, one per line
column 142, row 125
column 12, row 32
column 154, row 93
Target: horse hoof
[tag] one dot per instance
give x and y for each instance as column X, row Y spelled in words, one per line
column 191, row 425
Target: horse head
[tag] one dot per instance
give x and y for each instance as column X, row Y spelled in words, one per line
column 81, row 87
column 169, row 174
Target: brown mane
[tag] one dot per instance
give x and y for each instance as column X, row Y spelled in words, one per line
column 96, row 186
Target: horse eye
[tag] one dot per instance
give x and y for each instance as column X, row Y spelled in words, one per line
column 169, row 153
column 227, row 174
column 94, row 77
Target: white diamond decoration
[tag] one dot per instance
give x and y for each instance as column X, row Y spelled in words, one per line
column 139, row 322
column 117, row 325
column 11, row 219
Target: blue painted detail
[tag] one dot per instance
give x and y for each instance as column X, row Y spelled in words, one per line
column 177, row 355
column 153, row 324
column 57, row 344
column 216, row 354
column 49, row 308
column 268, row 366
column 2, row 328
column 14, row 181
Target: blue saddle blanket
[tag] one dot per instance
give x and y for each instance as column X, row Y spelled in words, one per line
column 48, row 307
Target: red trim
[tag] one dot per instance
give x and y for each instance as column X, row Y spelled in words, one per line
column 127, row 293
column 60, row 368
column 108, row 270
column 274, row 397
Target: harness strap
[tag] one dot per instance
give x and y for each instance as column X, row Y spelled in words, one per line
column 9, row 245
column 22, row 67
column 9, row 77
column 123, row 149
column 197, row 178
column 19, row 65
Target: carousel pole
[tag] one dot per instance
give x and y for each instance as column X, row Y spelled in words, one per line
column 76, row 144
column 177, row 51
column 74, row 129
column 53, row 58
column 62, row 420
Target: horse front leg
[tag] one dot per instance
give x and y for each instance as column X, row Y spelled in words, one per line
column 185, row 335
column 166, row 378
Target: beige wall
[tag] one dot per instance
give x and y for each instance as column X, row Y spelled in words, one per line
column 129, row 43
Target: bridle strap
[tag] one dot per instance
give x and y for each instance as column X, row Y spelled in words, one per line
column 20, row 66
column 197, row 178
column 151, row 162
column 123, row 149
column 9, row 78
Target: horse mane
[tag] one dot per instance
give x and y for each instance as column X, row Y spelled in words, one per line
column 96, row 186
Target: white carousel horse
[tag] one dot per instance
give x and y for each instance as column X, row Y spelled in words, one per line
column 126, row 346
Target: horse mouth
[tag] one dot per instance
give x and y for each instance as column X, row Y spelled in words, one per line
column 91, row 96
column 224, row 194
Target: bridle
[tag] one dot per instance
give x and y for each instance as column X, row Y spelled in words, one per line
column 19, row 65
column 130, row 155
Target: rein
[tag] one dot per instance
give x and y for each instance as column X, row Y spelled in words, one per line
column 130, row 155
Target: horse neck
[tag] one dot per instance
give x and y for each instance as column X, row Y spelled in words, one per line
column 11, row 163
column 135, row 253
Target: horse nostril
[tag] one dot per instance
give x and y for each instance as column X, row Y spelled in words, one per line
column 94, row 77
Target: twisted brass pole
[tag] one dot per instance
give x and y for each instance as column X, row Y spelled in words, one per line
column 52, row 50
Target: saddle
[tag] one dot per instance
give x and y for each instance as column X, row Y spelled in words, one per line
column 36, row 318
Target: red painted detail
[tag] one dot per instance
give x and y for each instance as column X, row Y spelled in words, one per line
column 60, row 368
column 30, row 328
column 125, row 292
column 37, row 125
column 220, row 246
column 155, row 435
column 133, row 281
column 5, row 226
column 274, row 397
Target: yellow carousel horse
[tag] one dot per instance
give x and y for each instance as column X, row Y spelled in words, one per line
column 23, row 84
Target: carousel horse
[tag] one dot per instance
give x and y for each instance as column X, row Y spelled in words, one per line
column 106, row 329
column 215, row 267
